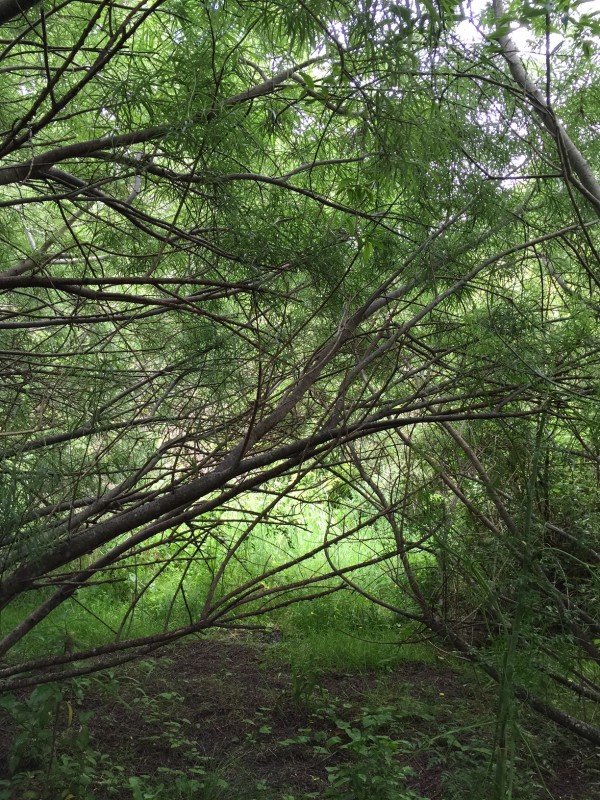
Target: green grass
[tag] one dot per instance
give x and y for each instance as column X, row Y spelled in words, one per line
column 142, row 600
column 331, row 650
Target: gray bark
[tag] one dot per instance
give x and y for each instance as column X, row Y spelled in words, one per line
column 575, row 160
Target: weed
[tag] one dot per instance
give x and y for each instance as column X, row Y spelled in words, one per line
column 307, row 688
column 51, row 752
column 369, row 765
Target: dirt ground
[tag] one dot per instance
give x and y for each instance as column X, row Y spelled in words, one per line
column 230, row 706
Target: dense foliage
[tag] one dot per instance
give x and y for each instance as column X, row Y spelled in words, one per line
column 320, row 266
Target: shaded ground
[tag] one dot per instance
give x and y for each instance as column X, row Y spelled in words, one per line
column 227, row 718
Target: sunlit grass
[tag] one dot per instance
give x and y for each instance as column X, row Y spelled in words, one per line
column 341, row 651
column 145, row 597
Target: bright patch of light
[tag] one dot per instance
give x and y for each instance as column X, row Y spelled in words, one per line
column 470, row 30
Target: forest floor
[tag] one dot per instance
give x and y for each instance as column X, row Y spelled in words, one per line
column 224, row 718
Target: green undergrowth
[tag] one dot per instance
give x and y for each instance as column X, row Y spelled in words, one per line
column 422, row 734
column 357, row 695
column 331, row 650
column 141, row 603
column 166, row 586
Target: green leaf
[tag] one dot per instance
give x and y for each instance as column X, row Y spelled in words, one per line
column 308, row 80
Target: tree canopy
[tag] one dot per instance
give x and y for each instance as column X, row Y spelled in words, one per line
column 263, row 257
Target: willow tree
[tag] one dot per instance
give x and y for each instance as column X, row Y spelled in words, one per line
column 254, row 248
